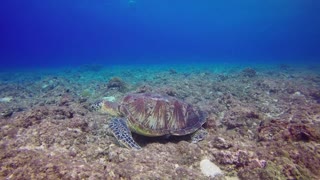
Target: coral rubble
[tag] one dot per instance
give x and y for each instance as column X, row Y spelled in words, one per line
column 262, row 124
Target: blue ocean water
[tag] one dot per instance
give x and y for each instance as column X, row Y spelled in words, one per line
column 39, row 33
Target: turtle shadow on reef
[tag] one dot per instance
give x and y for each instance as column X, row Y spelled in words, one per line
column 144, row 140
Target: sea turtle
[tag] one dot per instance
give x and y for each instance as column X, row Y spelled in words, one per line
column 151, row 114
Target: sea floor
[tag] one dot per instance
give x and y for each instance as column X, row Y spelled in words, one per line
column 263, row 123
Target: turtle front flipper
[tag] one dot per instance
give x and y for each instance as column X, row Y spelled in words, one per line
column 122, row 133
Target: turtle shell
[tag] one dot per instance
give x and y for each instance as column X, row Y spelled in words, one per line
column 156, row 115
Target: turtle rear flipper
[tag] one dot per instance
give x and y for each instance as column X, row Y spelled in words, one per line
column 122, row 133
column 199, row 135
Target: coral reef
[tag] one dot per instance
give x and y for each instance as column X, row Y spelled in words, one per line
column 264, row 126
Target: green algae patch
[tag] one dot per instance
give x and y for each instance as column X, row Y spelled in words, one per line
column 271, row 172
column 291, row 170
column 86, row 93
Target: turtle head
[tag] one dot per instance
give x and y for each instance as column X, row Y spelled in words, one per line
column 110, row 108
column 107, row 107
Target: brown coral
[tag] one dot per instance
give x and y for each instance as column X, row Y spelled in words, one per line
column 276, row 130
column 117, row 83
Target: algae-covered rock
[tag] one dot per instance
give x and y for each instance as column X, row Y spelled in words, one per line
column 109, row 98
column 5, row 99
column 118, row 84
column 209, row 169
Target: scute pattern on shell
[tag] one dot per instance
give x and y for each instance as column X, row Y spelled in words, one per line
column 155, row 115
